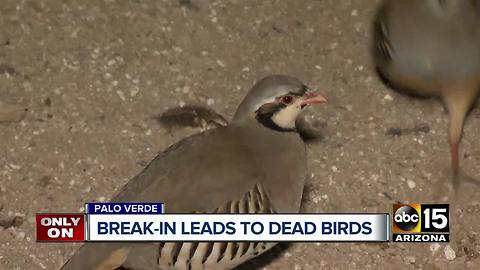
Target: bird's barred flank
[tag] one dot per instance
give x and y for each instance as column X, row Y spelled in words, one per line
column 219, row 255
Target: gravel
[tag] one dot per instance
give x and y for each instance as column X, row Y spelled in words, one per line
column 95, row 74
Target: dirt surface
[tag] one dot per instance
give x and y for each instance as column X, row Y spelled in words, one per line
column 84, row 81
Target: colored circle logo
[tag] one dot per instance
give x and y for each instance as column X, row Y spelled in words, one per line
column 406, row 218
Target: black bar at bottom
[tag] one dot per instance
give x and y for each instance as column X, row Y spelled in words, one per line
column 421, row 237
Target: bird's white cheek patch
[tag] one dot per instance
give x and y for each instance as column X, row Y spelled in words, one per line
column 286, row 117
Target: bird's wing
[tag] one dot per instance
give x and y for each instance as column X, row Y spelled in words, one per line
column 195, row 175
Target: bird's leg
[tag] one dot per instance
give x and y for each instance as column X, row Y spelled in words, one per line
column 458, row 101
column 457, row 112
column 454, row 157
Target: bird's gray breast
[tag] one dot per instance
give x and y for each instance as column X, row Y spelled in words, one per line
column 280, row 158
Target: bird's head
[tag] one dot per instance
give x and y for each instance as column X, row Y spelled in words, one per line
column 276, row 101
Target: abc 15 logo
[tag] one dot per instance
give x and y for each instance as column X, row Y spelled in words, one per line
column 420, row 218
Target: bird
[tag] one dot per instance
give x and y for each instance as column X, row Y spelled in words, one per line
column 431, row 48
column 255, row 164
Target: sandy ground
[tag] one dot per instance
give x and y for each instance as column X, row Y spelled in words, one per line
column 94, row 74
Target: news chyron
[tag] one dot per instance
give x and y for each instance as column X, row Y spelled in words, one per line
column 148, row 222
column 421, row 223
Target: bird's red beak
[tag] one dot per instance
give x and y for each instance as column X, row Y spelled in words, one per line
column 313, row 98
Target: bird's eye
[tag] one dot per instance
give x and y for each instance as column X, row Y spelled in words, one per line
column 287, row 100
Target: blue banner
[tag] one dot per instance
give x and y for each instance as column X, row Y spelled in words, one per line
column 130, row 208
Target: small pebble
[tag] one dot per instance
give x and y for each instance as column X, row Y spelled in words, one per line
column 388, row 97
column 121, row 95
column 134, row 91
column 449, row 253
column 410, row 260
column 221, row 63
column 434, row 247
column 411, row 184
column 87, row 189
